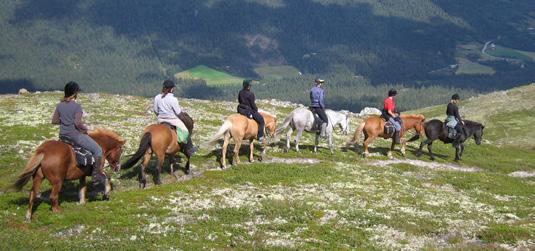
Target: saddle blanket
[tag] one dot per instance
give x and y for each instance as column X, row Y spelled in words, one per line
column 84, row 158
column 389, row 128
column 452, row 133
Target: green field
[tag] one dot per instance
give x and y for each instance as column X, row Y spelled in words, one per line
column 211, row 76
column 277, row 72
column 510, row 53
column 291, row 201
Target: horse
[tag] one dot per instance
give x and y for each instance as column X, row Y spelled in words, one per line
column 373, row 127
column 436, row 129
column 241, row 128
column 55, row 161
column 161, row 140
column 302, row 119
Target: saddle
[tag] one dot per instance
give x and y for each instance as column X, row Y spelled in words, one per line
column 389, row 128
column 452, row 132
column 316, row 125
column 169, row 125
column 84, row 158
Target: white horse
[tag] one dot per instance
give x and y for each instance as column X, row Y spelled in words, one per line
column 302, row 119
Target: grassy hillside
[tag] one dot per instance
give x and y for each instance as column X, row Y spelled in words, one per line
column 289, row 201
column 209, row 75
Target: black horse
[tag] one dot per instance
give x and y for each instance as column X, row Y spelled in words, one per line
column 436, row 129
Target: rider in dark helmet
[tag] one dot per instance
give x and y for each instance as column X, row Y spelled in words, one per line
column 317, row 104
column 167, row 110
column 247, row 108
column 68, row 115
column 390, row 114
column 453, row 119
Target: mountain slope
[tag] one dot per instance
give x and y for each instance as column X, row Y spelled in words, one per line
column 288, row 201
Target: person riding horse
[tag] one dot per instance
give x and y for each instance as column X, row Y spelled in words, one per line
column 167, row 110
column 247, row 107
column 317, row 104
column 453, row 119
column 68, row 115
column 390, row 114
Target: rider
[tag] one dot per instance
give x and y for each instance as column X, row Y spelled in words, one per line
column 317, row 104
column 390, row 114
column 247, row 108
column 68, row 115
column 167, row 110
column 453, row 119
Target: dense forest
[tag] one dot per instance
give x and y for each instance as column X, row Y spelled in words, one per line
column 130, row 46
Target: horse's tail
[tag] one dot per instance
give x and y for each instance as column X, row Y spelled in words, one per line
column 356, row 135
column 31, row 167
column 285, row 124
column 143, row 146
column 220, row 133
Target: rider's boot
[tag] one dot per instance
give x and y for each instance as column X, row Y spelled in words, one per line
column 190, row 148
column 323, row 132
column 397, row 139
column 99, row 178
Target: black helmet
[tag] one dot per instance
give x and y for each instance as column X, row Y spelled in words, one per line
column 169, row 83
column 71, row 88
column 246, row 83
column 455, row 97
column 392, row 92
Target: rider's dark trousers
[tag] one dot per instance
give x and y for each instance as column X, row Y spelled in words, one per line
column 321, row 113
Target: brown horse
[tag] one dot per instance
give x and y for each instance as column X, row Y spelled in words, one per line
column 161, row 140
column 241, row 128
column 373, row 127
column 55, row 161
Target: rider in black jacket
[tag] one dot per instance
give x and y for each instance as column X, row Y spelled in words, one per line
column 247, row 107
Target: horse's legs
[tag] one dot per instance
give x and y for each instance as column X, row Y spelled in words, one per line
column 316, row 142
column 367, row 140
column 107, row 188
column 458, row 151
column 425, row 142
column 237, row 146
column 142, row 175
column 403, row 144
column 82, row 191
column 389, row 154
column 251, row 150
column 173, row 161
column 160, row 157
column 331, row 143
column 54, row 195
column 37, row 179
column 224, row 151
column 430, row 149
column 462, row 150
column 288, row 138
column 298, row 137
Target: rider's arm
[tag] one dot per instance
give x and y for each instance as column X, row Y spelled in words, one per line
column 78, row 122
column 55, row 117
column 322, row 99
column 457, row 115
column 155, row 107
column 252, row 102
column 176, row 108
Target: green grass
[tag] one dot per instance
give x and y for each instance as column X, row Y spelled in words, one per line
column 474, row 68
column 341, row 203
column 277, row 72
column 509, row 53
column 211, row 76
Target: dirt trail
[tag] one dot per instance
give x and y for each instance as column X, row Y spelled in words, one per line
column 424, row 164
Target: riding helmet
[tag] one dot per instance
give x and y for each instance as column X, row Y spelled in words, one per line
column 392, row 92
column 71, row 88
column 169, row 83
column 319, row 80
column 246, row 83
column 455, row 97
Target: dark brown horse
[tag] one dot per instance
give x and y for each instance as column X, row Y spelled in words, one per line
column 242, row 128
column 436, row 129
column 55, row 161
column 373, row 127
column 161, row 140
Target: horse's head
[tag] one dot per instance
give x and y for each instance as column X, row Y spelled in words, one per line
column 270, row 122
column 112, row 146
column 344, row 124
column 478, row 134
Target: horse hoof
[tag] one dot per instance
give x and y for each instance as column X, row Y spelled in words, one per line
column 106, row 197
column 28, row 218
column 56, row 210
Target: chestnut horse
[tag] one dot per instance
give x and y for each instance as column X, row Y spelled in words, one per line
column 55, row 161
column 241, row 128
column 373, row 127
column 161, row 140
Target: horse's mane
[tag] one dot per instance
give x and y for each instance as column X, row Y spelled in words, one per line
column 268, row 113
column 472, row 123
column 413, row 116
column 109, row 133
